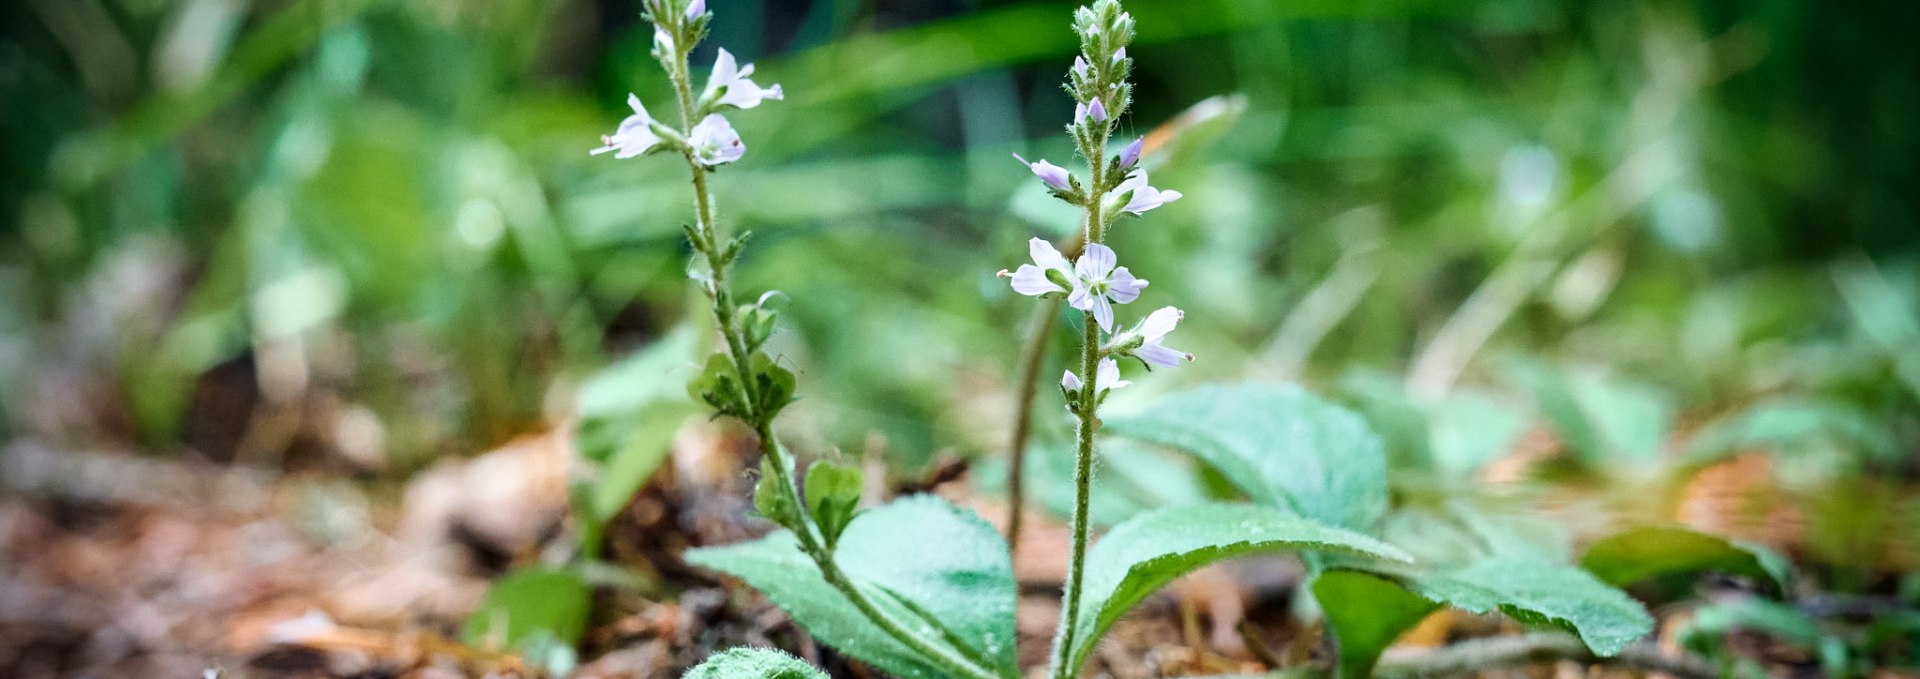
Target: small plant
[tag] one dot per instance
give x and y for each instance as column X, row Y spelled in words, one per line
column 921, row 588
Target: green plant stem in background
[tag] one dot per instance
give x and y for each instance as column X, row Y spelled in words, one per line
column 707, row 240
column 1032, row 355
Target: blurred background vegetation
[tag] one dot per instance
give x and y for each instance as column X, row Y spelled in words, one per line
column 363, row 235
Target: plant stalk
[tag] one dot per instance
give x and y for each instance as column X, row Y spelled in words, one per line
column 720, row 291
column 1095, row 153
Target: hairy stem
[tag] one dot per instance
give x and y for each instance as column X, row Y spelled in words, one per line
column 1472, row 657
column 709, row 242
column 1095, row 153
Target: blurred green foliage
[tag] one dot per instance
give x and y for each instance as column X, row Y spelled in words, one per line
column 378, row 219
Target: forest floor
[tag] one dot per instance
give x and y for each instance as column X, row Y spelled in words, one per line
column 114, row 565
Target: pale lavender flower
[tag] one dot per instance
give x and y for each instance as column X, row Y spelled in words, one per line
column 714, row 142
column 1096, row 110
column 635, row 134
column 1130, row 155
column 1152, row 331
column 1120, row 56
column 699, row 7
column 662, row 40
column 1098, row 285
column 1106, row 378
column 1140, row 196
column 1079, row 67
column 1049, row 272
column 1054, row 175
column 730, row 84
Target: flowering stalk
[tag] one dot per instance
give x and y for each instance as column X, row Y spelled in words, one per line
column 744, row 382
column 1095, row 282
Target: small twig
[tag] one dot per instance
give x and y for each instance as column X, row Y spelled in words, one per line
column 1478, row 655
column 1250, row 636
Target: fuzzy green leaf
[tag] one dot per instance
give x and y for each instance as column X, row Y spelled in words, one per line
column 1277, row 443
column 1538, row 592
column 833, row 495
column 1141, row 555
column 1366, row 614
column 753, row 663
column 960, row 576
column 1644, row 552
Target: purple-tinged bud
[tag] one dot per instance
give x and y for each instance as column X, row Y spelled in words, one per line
column 1120, row 56
column 1130, row 155
column 1097, row 110
column 1053, row 175
column 1079, row 113
column 697, row 8
column 1080, row 67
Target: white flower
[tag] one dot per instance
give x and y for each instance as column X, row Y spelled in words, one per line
column 1039, row 278
column 1098, row 284
column 662, row 40
column 730, row 86
column 715, row 143
column 1053, row 175
column 635, row 135
column 1106, row 378
column 1140, row 196
column 699, row 7
column 1154, row 329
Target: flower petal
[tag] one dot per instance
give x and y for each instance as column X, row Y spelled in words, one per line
column 1160, row 322
column 1157, row 354
column 1103, row 312
column 1080, row 298
column 1046, row 256
column 725, row 70
column 1095, row 263
column 1032, row 280
column 1070, row 381
column 1107, row 376
column 1123, row 287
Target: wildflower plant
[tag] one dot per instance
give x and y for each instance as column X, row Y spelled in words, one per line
column 921, row 588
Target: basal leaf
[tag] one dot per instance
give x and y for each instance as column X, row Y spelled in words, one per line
column 920, row 559
column 530, row 605
column 1366, row 614
column 753, row 663
column 1278, row 444
column 1639, row 553
column 1538, row 592
column 1142, row 555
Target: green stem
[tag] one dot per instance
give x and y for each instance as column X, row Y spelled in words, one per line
column 721, row 293
column 1095, row 153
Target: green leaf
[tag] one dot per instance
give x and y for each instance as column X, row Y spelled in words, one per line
column 528, row 606
column 629, row 413
column 1140, row 556
column 962, row 580
column 753, row 663
column 774, row 502
column 1538, row 592
column 833, row 495
column 1604, row 419
column 1643, row 552
column 1366, row 614
column 1278, row 444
